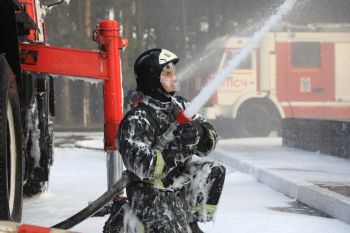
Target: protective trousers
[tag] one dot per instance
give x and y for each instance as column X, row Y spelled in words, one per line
column 170, row 210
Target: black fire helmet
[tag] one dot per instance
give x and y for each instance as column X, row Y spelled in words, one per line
column 148, row 67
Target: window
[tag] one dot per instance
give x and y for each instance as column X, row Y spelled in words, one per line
column 246, row 64
column 306, row 55
column 207, row 64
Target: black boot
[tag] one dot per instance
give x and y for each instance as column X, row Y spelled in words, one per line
column 195, row 228
column 114, row 223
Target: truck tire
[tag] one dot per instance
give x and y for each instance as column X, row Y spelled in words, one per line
column 226, row 127
column 254, row 120
column 39, row 141
column 11, row 166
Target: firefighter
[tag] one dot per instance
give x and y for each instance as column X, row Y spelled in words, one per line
column 178, row 189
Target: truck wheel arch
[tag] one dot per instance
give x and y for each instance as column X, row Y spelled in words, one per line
column 257, row 116
column 265, row 96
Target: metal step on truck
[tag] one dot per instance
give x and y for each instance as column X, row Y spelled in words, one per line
column 27, row 105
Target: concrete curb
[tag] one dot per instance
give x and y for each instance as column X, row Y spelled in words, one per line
column 322, row 199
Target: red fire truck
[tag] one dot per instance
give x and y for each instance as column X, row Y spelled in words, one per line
column 27, row 96
column 296, row 72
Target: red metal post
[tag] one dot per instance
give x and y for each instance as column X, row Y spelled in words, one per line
column 111, row 42
column 104, row 65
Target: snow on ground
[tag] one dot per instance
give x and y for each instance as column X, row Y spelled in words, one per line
column 244, row 209
column 79, row 176
column 300, row 166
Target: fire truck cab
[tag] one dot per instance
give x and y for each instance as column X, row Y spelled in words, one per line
column 294, row 72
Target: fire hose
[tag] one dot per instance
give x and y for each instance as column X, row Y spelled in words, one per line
column 127, row 178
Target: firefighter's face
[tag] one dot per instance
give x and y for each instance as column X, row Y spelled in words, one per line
column 168, row 78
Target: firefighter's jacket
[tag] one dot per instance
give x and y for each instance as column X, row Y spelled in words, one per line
column 137, row 140
column 166, row 200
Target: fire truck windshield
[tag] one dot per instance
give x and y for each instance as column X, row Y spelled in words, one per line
column 246, row 64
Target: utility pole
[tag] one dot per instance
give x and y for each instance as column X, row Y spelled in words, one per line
column 86, row 27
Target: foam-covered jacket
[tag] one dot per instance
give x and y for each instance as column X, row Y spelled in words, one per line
column 137, row 138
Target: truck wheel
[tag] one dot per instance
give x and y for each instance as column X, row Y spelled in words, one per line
column 39, row 144
column 226, row 127
column 11, row 179
column 35, row 183
column 254, row 120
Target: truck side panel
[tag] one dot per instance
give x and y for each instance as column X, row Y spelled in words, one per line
column 312, row 77
column 301, row 83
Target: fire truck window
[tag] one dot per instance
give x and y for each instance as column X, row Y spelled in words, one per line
column 209, row 64
column 306, row 55
column 245, row 64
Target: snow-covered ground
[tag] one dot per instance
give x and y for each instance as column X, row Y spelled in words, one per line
column 79, row 176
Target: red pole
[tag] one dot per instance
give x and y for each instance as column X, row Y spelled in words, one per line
column 111, row 42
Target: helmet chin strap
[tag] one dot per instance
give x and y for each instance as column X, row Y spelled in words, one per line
column 161, row 95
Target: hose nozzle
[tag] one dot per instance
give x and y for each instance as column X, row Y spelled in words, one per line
column 164, row 139
column 182, row 119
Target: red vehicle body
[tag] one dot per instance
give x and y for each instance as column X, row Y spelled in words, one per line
column 296, row 79
column 27, row 96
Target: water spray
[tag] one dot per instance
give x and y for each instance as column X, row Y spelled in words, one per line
column 220, row 77
column 193, row 66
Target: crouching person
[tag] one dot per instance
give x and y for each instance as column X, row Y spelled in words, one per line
column 177, row 189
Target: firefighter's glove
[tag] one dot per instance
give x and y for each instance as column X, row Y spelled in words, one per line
column 189, row 134
column 174, row 110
